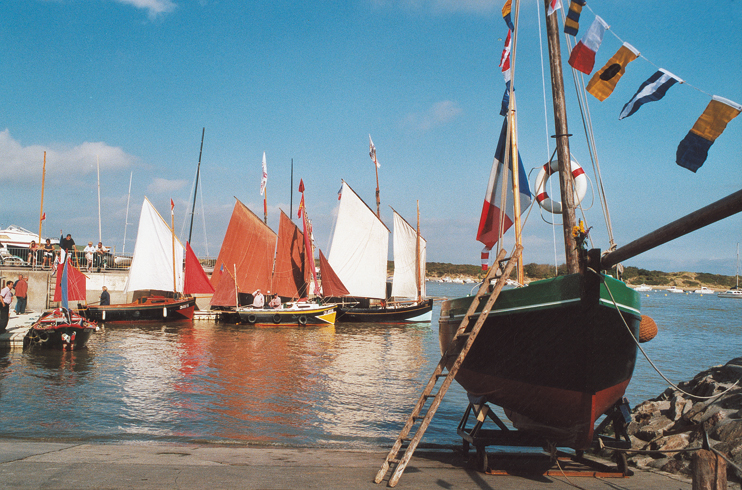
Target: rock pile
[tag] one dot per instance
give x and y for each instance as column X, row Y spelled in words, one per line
column 675, row 421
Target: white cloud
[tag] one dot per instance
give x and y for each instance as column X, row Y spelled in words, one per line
column 153, row 7
column 160, row 185
column 439, row 114
column 24, row 162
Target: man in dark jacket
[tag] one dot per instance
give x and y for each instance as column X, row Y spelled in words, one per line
column 68, row 245
column 105, row 297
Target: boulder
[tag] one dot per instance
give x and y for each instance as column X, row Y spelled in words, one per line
column 655, row 428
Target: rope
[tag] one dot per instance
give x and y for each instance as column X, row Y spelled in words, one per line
column 646, row 356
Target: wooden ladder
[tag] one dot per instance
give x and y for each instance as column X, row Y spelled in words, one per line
column 450, row 375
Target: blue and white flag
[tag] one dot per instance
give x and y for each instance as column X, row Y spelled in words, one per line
column 653, row 89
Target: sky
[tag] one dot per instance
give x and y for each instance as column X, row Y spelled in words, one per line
column 128, row 85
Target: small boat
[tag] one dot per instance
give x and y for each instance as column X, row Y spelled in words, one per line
column 736, row 292
column 157, row 285
column 358, row 255
column 704, row 290
column 16, row 237
column 242, row 270
column 62, row 328
column 674, row 289
column 643, row 288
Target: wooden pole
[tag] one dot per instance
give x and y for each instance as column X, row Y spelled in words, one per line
column 97, row 164
column 418, row 279
column 562, row 141
column 378, row 200
column 41, row 213
column 709, row 471
column 172, row 229
column 236, row 288
column 723, row 208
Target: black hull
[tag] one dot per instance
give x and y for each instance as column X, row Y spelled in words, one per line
column 420, row 312
column 147, row 309
column 57, row 331
column 556, row 352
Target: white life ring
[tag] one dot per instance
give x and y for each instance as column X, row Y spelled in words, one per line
column 580, row 185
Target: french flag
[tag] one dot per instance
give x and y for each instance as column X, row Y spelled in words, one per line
column 494, row 221
column 582, row 57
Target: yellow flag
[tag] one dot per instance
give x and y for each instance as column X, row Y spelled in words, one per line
column 601, row 85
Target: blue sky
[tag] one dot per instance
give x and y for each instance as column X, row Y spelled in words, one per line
column 131, row 83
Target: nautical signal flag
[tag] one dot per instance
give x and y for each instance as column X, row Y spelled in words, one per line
column 572, row 24
column 172, row 206
column 43, row 216
column 601, row 85
column 264, row 178
column 506, row 10
column 654, row 88
column 505, row 59
column 693, row 150
column 496, row 221
column 582, row 57
column 554, row 5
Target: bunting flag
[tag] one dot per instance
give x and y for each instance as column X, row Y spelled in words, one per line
column 693, row 150
column 505, row 59
column 554, row 5
column 372, row 152
column 301, row 203
column 172, row 207
column 506, row 14
column 264, row 178
column 582, row 57
column 601, row 85
column 572, row 24
column 653, row 89
column 490, row 224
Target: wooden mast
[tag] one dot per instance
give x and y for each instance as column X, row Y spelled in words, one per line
column 172, row 229
column 514, row 160
column 562, row 141
column 41, row 213
column 195, row 189
column 418, row 280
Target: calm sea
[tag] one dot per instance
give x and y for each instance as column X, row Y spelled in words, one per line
column 347, row 386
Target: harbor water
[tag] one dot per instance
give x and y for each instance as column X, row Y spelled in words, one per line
column 347, row 386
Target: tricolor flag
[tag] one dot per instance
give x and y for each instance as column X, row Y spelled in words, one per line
column 505, row 59
column 495, row 221
column 583, row 54
column 653, row 89
column 264, row 178
column 372, row 152
column 506, row 14
column 572, row 24
column 554, row 5
column 693, row 150
column 601, row 85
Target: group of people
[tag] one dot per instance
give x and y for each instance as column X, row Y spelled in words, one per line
column 19, row 289
column 95, row 256
column 259, row 300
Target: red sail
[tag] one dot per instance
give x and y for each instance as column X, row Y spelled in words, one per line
column 331, row 284
column 76, row 284
column 196, row 280
column 225, row 294
column 248, row 246
column 290, row 274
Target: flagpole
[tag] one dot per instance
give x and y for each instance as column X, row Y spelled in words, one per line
column 41, row 213
column 372, row 154
column 172, row 229
column 291, row 206
column 97, row 163
column 236, row 288
column 265, row 205
column 418, row 279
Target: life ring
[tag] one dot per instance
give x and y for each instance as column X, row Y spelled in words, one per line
column 251, row 319
column 302, row 320
column 276, row 318
column 580, row 185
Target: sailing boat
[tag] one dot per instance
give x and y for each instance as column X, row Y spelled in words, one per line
column 358, row 254
column 155, row 276
column 63, row 328
column 246, row 263
column 559, row 353
column 736, row 292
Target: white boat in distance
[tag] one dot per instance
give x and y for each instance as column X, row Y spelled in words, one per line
column 736, row 292
column 17, row 237
column 674, row 289
column 642, row 288
column 704, row 290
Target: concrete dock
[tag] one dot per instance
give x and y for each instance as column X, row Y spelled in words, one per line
column 57, row 465
column 17, row 328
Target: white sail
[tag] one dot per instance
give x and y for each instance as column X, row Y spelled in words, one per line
column 152, row 264
column 404, row 282
column 360, row 246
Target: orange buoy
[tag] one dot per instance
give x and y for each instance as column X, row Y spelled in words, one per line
column 647, row 329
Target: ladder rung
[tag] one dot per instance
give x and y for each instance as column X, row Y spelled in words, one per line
column 441, row 375
column 463, row 334
column 394, row 460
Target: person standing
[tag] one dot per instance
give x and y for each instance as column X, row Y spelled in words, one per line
column 6, row 297
column 105, row 297
column 89, row 254
column 68, row 245
column 21, row 295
